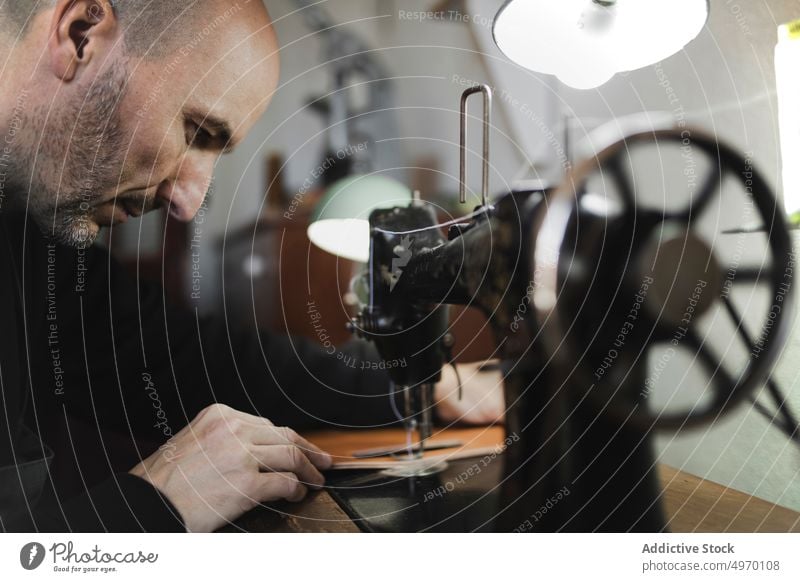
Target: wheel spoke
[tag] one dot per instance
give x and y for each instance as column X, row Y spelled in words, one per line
column 622, row 181
column 752, row 275
column 701, row 199
column 738, row 322
column 661, row 332
column 723, row 381
column 779, row 399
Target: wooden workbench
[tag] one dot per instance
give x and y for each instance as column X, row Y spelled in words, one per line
column 691, row 504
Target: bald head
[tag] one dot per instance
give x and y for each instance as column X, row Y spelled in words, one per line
column 140, row 100
column 151, row 28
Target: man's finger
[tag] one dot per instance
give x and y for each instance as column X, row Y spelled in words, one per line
column 291, row 459
column 273, row 435
column 277, row 486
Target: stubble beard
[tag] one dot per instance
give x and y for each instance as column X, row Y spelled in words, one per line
column 72, row 161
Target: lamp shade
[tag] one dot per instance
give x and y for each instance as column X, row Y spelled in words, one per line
column 586, row 42
column 340, row 221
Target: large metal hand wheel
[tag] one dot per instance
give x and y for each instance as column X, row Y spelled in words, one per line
column 626, row 278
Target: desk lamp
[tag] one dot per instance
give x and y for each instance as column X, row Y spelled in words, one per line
column 340, row 221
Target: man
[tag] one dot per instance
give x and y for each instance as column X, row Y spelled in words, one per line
column 88, row 141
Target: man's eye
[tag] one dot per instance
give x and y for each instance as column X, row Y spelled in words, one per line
column 197, row 136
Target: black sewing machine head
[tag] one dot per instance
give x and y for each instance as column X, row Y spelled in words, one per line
column 588, row 292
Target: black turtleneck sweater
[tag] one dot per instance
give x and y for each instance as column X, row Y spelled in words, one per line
column 93, row 364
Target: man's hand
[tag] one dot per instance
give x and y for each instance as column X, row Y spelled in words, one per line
column 482, row 401
column 225, row 462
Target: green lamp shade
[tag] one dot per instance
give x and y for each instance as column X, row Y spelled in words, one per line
column 340, row 222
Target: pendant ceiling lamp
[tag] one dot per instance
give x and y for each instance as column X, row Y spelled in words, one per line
column 586, row 42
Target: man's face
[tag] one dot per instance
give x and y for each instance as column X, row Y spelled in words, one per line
column 146, row 133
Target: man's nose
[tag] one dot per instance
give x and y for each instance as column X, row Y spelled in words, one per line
column 184, row 194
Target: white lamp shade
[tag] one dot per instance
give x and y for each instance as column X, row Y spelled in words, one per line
column 347, row 238
column 585, row 44
column 340, row 222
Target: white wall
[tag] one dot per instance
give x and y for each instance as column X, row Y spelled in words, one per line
column 426, row 98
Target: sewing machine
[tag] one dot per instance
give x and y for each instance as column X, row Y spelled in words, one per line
column 583, row 288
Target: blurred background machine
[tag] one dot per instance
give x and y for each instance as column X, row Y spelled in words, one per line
column 588, row 293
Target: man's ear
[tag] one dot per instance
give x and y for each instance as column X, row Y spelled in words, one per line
column 80, row 30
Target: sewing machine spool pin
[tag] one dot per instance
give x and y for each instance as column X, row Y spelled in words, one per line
column 486, row 91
